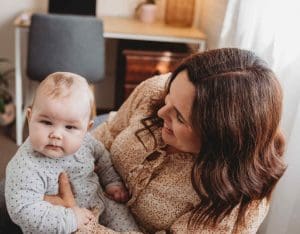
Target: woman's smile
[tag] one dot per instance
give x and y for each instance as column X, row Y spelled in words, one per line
column 167, row 130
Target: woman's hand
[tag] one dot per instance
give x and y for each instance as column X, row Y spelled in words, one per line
column 83, row 216
column 65, row 195
column 66, row 198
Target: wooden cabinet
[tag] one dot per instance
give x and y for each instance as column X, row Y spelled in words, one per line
column 141, row 65
column 140, row 60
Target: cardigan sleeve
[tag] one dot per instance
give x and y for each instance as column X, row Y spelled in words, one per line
column 95, row 227
column 254, row 217
column 255, row 214
column 118, row 121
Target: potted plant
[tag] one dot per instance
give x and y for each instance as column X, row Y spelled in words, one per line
column 7, row 108
column 146, row 11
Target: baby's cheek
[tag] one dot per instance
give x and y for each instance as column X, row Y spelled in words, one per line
column 37, row 139
column 72, row 144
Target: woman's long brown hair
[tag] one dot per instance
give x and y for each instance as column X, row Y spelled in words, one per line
column 236, row 113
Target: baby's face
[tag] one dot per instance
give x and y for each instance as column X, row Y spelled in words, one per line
column 57, row 125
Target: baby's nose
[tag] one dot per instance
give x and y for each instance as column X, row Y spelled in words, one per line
column 55, row 134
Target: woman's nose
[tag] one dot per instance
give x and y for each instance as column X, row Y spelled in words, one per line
column 163, row 112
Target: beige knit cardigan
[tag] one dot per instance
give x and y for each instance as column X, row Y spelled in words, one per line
column 160, row 183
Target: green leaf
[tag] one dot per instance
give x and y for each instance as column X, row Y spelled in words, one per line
column 2, row 106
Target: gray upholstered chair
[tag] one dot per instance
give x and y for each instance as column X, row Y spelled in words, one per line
column 62, row 43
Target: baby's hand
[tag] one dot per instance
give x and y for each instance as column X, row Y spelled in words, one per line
column 83, row 216
column 117, row 193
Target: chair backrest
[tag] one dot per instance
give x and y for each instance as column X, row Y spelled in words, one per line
column 66, row 43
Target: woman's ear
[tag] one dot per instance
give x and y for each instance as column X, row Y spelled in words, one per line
column 90, row 125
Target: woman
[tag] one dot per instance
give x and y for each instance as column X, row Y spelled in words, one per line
column 204, row 154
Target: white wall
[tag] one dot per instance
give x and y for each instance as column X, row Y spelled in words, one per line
column 208, row 15
column 212, row 16
column 8, row 11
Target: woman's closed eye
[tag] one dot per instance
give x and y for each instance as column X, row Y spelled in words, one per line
column 179, row 118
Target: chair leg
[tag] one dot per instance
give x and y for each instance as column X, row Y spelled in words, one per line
column 18, row 87
column 94, row 108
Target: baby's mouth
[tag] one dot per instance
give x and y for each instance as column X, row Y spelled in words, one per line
column 53, row 147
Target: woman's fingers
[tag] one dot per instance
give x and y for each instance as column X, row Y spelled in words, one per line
column 65, row 190
column 89, row 214
column 65, row 196
column 54, row 200
column 83, row 216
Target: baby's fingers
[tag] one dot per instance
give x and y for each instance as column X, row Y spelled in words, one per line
column 118, row 196
column 123, row 197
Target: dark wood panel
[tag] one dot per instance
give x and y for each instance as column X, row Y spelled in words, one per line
column 141, row 65
column 138, row 61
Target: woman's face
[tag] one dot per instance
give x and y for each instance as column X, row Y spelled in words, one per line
column 176, row 113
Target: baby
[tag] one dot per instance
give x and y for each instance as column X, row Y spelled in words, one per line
column 58, row 141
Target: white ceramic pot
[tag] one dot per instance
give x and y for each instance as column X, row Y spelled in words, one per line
column 147, row 13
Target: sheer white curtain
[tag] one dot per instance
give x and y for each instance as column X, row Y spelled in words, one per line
column 271, row 28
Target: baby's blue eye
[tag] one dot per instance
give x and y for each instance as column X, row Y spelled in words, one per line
column 70, row 127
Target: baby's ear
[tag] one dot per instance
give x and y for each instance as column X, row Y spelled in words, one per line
column 90, row 125
column 28, row 113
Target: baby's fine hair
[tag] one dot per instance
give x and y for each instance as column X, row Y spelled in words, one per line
column 61, row 84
